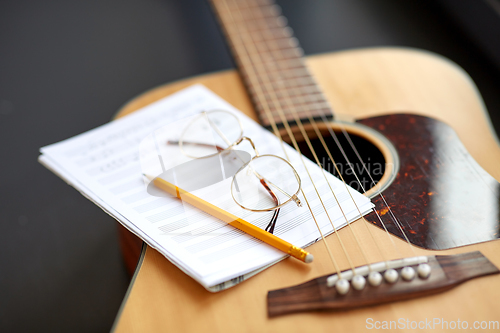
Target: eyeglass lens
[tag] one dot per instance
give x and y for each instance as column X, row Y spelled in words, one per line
column 249, row 190
column 209, row 133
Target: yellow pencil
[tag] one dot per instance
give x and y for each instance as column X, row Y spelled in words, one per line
column 233, row 220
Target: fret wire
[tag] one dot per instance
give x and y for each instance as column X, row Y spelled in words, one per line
column 298, row 99
column 246, row 6
column 288, row 54
column 311, row 104
column 269, row 34
column 290, row 82
column 292, row 72
column 295, row 144
column 304, row 105
column 280, row 43
column 318, row 107
column 301, row 92
column 254, row 25
column 276, row 112
column 279, row 39
column 281, row 84
column 269, row 12
column 273, row 14
column 315, row 112
column 308, row 89
column 352, row 145
column 283, row 31
column 276, row 76
column 277, row 133
column 288, row 72
column 305, row 112
column 307, row 104
column 293, row 61
column 304, row 108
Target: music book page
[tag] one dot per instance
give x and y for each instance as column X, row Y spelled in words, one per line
column 104, row 164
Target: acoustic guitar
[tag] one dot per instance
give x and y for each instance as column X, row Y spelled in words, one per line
column 407, row 128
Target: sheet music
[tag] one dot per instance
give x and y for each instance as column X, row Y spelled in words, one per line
column 104, row 165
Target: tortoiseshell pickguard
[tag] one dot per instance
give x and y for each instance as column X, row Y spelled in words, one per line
column 441, row 196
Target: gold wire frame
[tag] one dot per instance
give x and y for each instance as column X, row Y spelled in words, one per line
column 205, row 113
column 240, row 138
column 291, row 197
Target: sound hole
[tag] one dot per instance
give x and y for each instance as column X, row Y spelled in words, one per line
column 352, row 166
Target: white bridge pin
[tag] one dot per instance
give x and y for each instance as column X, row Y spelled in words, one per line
column 391, row 275
column 408, row 273
column 375, row 279
column 358, row 282
column 424, row 270
column 342, row 286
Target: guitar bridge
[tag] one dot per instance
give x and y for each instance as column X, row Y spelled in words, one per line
column 319, row 293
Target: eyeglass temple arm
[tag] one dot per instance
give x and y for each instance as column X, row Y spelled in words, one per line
column 195, row 144
column 293, row 197
column 272, row 223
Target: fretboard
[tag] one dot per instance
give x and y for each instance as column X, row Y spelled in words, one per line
column 270, row 62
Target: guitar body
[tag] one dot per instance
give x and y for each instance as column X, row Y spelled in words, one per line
column 360, row 85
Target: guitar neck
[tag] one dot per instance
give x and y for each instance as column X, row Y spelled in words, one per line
column 270, row 62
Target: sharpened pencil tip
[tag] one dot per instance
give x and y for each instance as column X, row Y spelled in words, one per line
column 148, row 177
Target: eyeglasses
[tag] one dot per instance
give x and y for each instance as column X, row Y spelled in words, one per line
column 264, row 183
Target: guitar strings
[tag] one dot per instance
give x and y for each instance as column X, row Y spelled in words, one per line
column 291, row 135
column 298, row 149
column 311, row 148
column 277, row 133
column 320, row 136
column 379, row 192
column 334, row 136
column 284, row 121
column 353, row 147
column 318, row 133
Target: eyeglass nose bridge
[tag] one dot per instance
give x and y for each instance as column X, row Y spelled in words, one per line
column 291, row 197
column 251, row 142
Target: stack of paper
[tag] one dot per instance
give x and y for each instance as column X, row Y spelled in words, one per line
column 104, row 165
